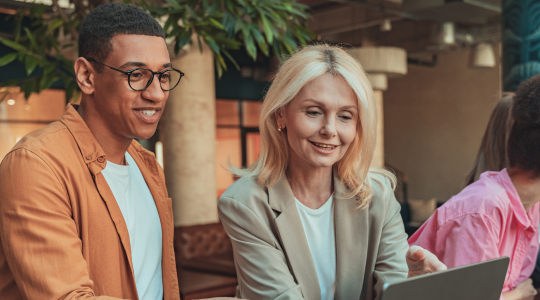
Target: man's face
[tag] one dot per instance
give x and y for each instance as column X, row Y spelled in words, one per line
column 125, row 112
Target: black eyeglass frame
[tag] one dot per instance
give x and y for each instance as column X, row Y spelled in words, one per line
column 128, row 73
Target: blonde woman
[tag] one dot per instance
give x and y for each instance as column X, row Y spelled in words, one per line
column 309, row 219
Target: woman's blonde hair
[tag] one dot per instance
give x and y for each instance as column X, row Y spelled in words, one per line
column 301, row 68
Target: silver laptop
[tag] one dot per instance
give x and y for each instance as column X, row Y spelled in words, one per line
column 483, row 280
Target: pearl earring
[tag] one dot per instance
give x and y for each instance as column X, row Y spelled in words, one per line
column 279, row 128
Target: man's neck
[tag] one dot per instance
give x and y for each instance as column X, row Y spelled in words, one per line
column 114, row 146
column 527, row 187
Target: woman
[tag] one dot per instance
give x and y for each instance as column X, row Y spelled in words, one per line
column 308, row 220
column 492, row 153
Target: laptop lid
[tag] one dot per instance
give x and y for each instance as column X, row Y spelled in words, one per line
column 483, row 280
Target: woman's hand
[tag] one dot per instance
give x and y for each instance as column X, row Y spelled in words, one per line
column 523, row 291
column 421, row 261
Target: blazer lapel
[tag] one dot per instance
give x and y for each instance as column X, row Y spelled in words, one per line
column 351, row 243
column 293, row 239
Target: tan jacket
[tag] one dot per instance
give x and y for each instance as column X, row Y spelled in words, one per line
column 271, row 252
column 62, row 233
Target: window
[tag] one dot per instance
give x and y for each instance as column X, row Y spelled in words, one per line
column 237, row 137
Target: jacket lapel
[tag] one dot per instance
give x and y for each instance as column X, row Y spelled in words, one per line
column 149, row 169
column 351, row 244
column 114, row 211
column 293, row 239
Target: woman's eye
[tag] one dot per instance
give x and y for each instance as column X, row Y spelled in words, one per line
column 346, row 117
column 312, row 112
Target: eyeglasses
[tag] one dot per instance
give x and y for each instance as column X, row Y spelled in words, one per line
column 141, row 78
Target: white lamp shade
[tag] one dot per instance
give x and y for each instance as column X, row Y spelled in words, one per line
column 390, row 61
column 378, row 81
column 484, row 57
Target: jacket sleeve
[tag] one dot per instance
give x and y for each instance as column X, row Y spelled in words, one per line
column 261, row 268
column 391, row 265
column 40, row 242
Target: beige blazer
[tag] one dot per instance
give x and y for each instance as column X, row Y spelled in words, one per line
column 271, row 252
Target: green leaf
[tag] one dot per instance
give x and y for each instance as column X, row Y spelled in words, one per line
column 250, row 46
column 215, row 23
column 46, row 81
column 231, row 59
column 57, row 23
column 6, row 59
column 267, row 29
column 12, row 44
column 174, row 4
column 30, row 63
column 32, row 40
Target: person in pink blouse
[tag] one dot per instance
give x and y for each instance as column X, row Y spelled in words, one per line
column 499, row 214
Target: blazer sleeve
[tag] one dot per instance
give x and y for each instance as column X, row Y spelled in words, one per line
column 39, row 239
column 391, row 265
column 261, row 267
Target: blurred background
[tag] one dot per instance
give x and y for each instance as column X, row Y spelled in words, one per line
column 438, row 68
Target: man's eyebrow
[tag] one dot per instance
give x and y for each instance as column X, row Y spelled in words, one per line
column 167, row 65
column 132, row 64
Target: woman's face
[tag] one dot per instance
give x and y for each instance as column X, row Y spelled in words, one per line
column 320, row 122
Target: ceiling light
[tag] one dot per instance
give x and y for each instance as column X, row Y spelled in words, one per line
column 11, row 102
column 386, row 25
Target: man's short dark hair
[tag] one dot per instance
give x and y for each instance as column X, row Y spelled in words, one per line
column 109, row 20
column 524, row 140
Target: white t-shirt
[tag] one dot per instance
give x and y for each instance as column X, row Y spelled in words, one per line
column 319, row 228
column 140, row 213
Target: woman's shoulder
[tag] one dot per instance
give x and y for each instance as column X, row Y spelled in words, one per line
column 381, row 184
column 246, row 190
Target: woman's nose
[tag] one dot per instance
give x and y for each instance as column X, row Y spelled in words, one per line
column 329, row 128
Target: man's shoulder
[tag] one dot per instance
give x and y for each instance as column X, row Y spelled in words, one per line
column 53, row 139
column 482, row 198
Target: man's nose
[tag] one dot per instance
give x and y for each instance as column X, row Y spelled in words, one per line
column 154, row 92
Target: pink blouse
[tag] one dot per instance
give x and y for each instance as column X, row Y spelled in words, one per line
column 485, row 221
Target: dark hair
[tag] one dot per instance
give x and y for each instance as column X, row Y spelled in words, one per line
column 492, row 153
column 524, row 140
column 109, row 20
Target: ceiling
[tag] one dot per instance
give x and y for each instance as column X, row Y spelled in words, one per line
column 416, row 24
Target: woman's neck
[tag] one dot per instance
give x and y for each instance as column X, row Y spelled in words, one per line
column 312, row 186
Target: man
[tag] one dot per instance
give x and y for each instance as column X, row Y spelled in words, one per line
column 84, row 211
column 499, row 214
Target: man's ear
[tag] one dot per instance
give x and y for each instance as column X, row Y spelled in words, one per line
column 84, row 72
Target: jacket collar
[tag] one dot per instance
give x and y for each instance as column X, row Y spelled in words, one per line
column 294, row 241
column 91, row 152
column 505, row 182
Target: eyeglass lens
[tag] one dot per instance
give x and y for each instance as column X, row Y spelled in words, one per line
column 138, row 80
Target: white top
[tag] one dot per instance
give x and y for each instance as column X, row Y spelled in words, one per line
column 140, row 213
column 319, row 228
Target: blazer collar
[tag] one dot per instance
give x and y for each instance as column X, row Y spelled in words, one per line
column 293, row 239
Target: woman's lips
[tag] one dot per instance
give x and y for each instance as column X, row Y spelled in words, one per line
column 323, row 148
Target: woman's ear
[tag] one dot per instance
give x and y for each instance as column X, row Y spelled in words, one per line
column 280, row 120
column 84, row 73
